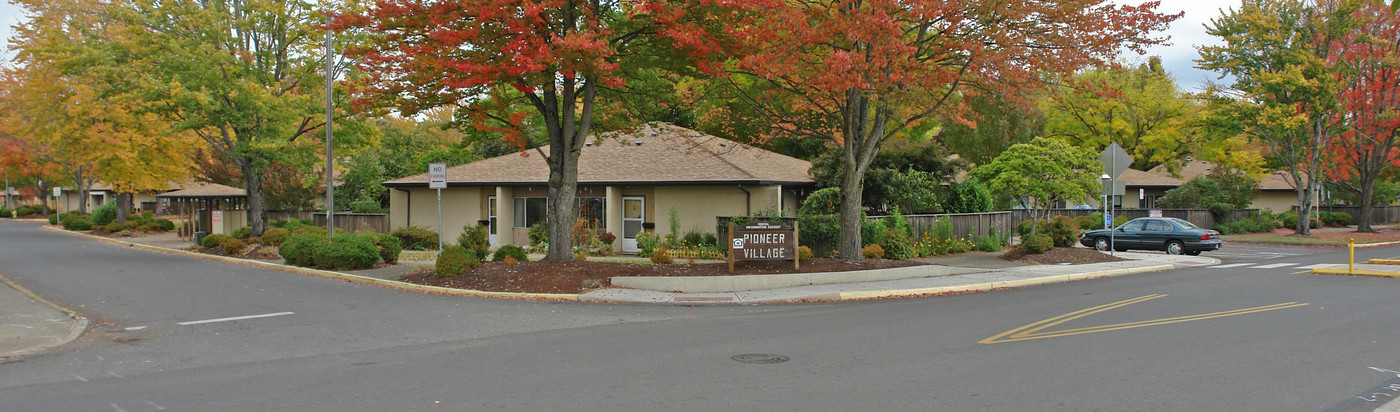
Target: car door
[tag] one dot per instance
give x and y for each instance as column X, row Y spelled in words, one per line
column 1155, row 234
column 1129, row 236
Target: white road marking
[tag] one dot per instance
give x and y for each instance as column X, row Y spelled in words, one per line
column 158, row 407
column 114, row 374
column 1273, row 266
column 118, row 408
column 80, row 378
column 136, row 328
column 1232, row 265
column 1322, row 265
column 265, row 315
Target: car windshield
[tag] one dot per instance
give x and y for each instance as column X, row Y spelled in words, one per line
column 1184, row 224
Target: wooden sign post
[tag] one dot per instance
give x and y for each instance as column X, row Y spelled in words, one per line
column 763, row 241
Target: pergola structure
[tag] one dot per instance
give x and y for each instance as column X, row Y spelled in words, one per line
column 194, row 204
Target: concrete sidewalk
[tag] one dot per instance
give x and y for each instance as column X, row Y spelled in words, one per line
column 939, row 280
column 29, row 324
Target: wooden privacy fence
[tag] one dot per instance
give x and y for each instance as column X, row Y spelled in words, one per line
column 344, row 222
column 1198, row 217
column 1379, row 214
column 965, row 225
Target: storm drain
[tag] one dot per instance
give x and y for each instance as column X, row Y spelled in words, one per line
column 760, row 358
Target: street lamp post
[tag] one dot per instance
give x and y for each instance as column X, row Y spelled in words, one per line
column 330, row 159
column 1107, row 216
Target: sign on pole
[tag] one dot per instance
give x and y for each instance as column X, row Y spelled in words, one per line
column 1115, row 160
column 437, row 176
column 763, row 241
column 57, row 191
column 437, row 179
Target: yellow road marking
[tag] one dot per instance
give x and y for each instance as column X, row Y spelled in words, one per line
column 1032, row 331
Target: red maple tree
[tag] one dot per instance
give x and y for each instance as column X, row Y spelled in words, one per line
column 856, row 73
column 494, row 56
column 1367, row 57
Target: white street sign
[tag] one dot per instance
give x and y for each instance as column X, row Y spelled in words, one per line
column 57, row 191
column 437, row 176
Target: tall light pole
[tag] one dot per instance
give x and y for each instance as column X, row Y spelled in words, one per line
column 1107, row 218
column 330, row 160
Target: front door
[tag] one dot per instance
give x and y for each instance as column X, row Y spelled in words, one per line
column 633, row 214
column 491, row 216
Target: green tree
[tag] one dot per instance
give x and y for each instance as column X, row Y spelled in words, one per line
column 906, row 173
column 1221, row 192
column 1000, row 123
column 1285, row 91
column 1138, row 107
column 1041, row 173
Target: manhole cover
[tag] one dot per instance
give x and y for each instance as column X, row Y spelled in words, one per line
column 760, row 358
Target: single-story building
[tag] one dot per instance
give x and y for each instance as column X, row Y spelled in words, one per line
column 628, row 182
column 1275, row 192
column 100, row 193
column 208, row 207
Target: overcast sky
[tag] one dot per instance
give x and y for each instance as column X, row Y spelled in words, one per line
column 1186, row 33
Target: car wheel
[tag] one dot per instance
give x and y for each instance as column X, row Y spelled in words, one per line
column 1175, row 248
column 1101, row 244
column 1194, row 253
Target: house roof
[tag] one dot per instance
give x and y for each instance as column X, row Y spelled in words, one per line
column 206, row 190
column 169, row 186
column 1277, row 180
column 1134, row 177
column 655, row 153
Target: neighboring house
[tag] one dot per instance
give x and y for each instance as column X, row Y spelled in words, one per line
column 101, row 193
column 1275, row 193
column 1142, row 189
column 627, row 183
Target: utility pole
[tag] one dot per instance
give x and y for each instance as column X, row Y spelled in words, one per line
column 330, row 159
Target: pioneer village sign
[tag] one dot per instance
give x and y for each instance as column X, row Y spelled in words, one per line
column 762, row 241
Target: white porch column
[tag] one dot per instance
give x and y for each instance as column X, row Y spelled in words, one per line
column 613, row 215
column 505, row 215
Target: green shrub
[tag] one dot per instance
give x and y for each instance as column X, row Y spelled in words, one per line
column 1062, row 230
column 475, row 239
column 1038, row 243
column 275, row 236
column 293, row 223
column 113, row 227
column 165, row 224
column 1024, row 228
column 693, row 239
column 896, row 245
column 255, row 240
column 126, row 233
column 242, row 232
column 454, row 260
column 214, row 240
column 1335, row 218
column 872, row 252
column 53, row 219
column 308, row 229
column 897, row 221
column 231, row 247
column 366, row 206
column 804, row 253
column 346, row 252
column 539, row 233
column 107, row 213
column 416, row 238
column 647, row 243
column 660, row 257
column 1289, row 220
column 5, row 212
column 514, row 251
column 388, row 247
column 150, row 227
column 76, row 222
column 711, row 240
column 29, row 210
column 299, row 248
column 1257, row 223
column 131, row 225
column 1089, row 222
column 989, row 243
column 825, row 201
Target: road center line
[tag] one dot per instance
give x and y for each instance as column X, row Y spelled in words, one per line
column 265, row 315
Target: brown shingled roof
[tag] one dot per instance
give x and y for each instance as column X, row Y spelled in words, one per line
column 205, row 190
column 1134, row 177
column 655, row 153
column 1277, row 180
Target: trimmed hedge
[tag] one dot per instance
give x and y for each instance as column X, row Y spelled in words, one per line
column 514, row 251
column 1038, row 243
column 275, row 236
column 107, row 213
column 76, row 222
column 345, row 252
column 231, row 247
column 416, row 238
column 214, row 240
column 454, row 260
column 242, row 232
column 474, row 239
column 387, row 245
column 299, row 248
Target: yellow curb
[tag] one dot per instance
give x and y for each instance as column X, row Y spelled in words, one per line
column 1356, row 272
column 1384, row 262
column 392, row 284
column 983, row 287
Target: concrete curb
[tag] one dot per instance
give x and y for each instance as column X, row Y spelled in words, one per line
column 743, row 283
column 1358, row 246
column 391, row 284
column 982, row 287
column 1355, row 272
column 79, row 326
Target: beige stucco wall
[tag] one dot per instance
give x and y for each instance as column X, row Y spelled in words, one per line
column 1277, row 201
column 418, row 207
column 697, row 206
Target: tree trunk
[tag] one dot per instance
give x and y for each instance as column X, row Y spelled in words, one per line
column 1304, row 210
column 563, row 187
column 1363, row 220
column 257, row 207
column 852, row 186
column 123, row 206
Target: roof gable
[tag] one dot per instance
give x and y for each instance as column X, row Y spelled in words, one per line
column 655, row 153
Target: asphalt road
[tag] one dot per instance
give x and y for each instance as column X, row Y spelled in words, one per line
column 1241, row 339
